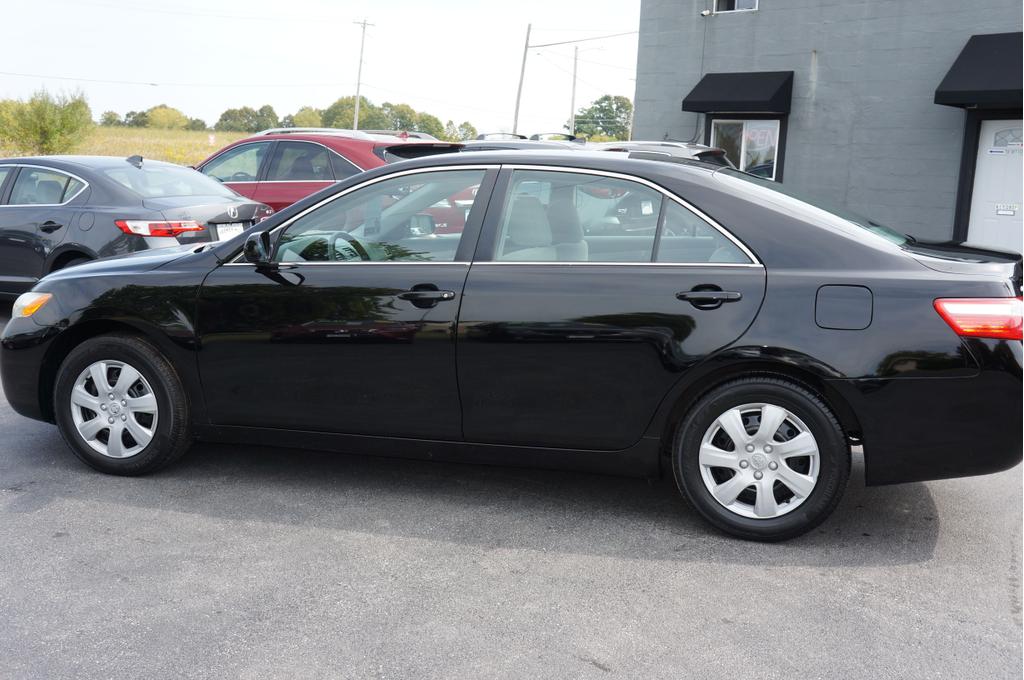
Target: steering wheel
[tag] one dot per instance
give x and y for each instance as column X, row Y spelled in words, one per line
column 241, row 177
column 333, row 253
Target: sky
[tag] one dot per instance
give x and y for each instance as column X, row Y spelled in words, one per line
column 456, row 59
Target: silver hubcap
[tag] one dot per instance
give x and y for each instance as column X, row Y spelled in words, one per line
column 114, row 409
column 759, row 461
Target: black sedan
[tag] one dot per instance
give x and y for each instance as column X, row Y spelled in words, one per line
column 743, row 338
column 58, row 211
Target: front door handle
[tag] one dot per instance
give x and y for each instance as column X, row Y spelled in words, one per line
column 49, row 226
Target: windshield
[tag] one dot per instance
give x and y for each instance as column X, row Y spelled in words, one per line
column 160, row 180
column 888, row 233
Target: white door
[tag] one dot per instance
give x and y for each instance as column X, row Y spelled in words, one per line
column 997, row 198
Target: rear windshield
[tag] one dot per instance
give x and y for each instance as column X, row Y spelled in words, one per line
column 866, row 223
column 158, row 181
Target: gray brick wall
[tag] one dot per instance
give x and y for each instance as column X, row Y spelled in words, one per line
column 863, row 131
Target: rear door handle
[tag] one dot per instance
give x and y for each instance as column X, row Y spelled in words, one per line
column 49, row 226
column 427, row 295
column 709, row 296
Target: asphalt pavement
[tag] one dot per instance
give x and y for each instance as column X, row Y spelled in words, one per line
column 244, row 562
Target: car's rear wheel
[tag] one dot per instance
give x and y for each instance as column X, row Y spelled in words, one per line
column 121, row 407
column 762, row 458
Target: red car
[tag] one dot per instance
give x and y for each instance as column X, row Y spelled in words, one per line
column 278, row 167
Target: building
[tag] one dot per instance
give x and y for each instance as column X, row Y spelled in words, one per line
column 908, row 112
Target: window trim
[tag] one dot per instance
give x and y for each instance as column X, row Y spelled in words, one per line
column 666, row 194
column 260, row 171
column 715, row 10
column 13, row 178
column 780, row 147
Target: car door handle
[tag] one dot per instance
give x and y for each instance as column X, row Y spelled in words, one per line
column 709, row 296
column 427, row 295
column 49, row 226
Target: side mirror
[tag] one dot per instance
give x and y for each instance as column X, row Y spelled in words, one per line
column 422, row 225
column 257, row 248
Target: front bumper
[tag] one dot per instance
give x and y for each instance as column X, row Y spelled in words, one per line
column 23, row 348
column 917, row 429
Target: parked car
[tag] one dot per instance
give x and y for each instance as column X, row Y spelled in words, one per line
column 667, row 151
column 58, row 211
column 283, row 165
column 745, row 342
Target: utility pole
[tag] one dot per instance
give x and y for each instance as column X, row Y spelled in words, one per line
column 359, row 75
column 522, row 73
column 526, row 51
column 572, row 101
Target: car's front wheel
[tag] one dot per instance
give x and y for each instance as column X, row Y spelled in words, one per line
column 762, row 459
column 120, row 406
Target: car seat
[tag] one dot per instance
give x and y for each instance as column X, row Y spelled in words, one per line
column 528, row 233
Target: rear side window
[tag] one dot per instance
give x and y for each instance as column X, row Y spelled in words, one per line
column 343, row 167
column 300, row 162
column 35, row 186
column 240, row 164
column 571, row 217
column 73, row 187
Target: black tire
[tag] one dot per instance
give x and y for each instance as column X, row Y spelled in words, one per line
column 833, row 453
column 172, row 433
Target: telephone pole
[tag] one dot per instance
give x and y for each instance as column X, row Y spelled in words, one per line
column 359, row 74
column 522, row 72
column 572, row 101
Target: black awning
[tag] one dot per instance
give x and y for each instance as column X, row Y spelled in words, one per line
column 748, row 92
column 986, row 75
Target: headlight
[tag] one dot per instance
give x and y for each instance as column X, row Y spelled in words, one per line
column 28, row 304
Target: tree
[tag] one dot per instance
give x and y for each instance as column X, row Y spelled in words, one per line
column 266, row 118
column 451, row 133
column 245, row 119
column 432, row 125
column 307, row 116
column 46, row 124
column 609, row 116
column 164, row 117
column 400, row 116
column 196, row 124
column 466, row 131
column 136, row 119
column 340, row 114
column 111, row 119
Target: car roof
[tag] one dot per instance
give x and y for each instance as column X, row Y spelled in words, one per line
column 90, row 162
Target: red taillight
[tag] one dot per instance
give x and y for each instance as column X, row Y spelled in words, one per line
column 147, row 228
column 983, row 317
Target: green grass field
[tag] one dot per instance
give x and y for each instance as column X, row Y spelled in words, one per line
column 176, row 146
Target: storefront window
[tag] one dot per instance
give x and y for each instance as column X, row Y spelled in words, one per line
column 751, row 145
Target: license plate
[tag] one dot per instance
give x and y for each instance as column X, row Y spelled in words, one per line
column 229, row 230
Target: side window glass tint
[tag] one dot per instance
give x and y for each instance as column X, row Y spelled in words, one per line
column 300, row 162
column 575, row 217
column 414, row 218
column 240, row 164
column 343, row 167
column 687, row 239
column 38, row 187
column 73, row 187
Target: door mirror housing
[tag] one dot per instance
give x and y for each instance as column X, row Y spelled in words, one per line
column 257, row 248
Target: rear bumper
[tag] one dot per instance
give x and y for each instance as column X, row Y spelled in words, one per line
column 917, row 429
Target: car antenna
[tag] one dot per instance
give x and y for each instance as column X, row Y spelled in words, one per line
column 135, row 160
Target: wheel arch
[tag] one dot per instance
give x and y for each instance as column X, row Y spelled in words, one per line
column 683, row 401
column 78, row 333
column 64, row 254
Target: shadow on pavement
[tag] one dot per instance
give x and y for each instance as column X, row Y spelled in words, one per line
column 489, row 507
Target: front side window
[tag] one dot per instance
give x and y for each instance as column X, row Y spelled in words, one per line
column 300, row 162
column 413, row 218
column 240, row 164
column 751, row 145
column 574, row 217
column 35, row 186
column 734, row 5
